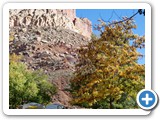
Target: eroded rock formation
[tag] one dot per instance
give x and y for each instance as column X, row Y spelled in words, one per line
column 50, row 40
column 65, row 18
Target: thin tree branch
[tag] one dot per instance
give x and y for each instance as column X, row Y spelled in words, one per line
column 117, row 14
column 124, row 19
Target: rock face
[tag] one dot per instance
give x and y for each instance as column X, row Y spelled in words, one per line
column 65, row 18
column 48, row 48
column 50, row 40
column 54, row 50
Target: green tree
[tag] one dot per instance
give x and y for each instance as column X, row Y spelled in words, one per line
column 108, row 75
column 26, row 85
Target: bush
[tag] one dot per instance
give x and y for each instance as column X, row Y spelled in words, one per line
column 26, row 85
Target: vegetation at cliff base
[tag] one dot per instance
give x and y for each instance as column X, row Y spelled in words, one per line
column 26, row 85
column 76, row 58
column 108, row 75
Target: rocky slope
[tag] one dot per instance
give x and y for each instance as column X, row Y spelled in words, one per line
column 52, row 50
column 50, row 40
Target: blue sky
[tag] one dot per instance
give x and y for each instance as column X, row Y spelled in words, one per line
column 114, row 14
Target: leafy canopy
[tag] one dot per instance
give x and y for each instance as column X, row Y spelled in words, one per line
column 26, row 85
column 108, row 75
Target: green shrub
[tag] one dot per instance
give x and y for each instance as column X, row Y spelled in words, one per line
column 27, row 86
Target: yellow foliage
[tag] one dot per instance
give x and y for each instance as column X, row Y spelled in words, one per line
column 115, row 68
column 14, row 58
column 95, row 93
column 11, row 36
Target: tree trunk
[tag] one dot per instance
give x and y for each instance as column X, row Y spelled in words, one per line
column 110, row 103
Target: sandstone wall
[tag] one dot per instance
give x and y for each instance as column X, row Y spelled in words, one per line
column 50, row 17
column 83, row 26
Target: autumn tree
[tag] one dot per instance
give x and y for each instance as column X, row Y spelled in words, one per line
column 108, row 74
column 26, row 85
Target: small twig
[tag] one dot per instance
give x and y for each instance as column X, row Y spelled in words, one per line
column 117, row 14
column 124, row 19
column 110, row 17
